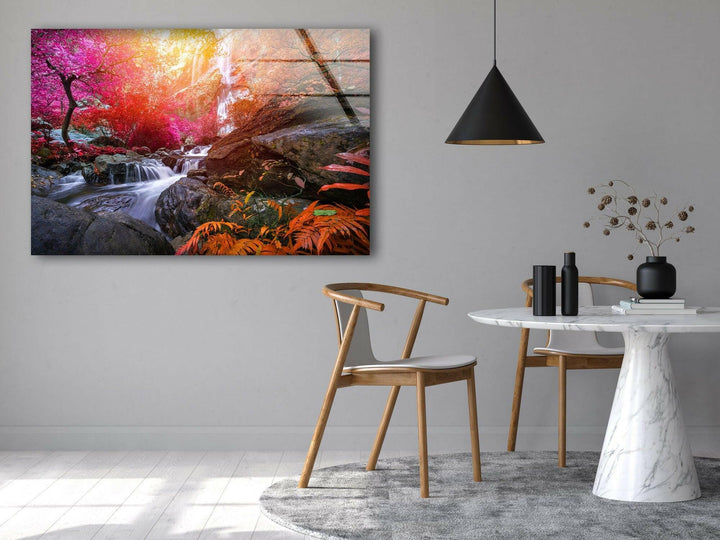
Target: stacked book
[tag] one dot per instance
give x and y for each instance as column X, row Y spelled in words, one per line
column 650, row 306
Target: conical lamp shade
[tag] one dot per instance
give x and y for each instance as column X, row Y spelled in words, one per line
column 494, row 116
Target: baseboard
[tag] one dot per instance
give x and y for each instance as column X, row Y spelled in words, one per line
column 705, row 440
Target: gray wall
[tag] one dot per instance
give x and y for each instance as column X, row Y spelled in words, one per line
column 165, row 352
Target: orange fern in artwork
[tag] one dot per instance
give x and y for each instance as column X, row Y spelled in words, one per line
column 211, row 238
column 222, row 188
column 330, row 229
column 346, row 169
column 361, row 156
column 349, row 187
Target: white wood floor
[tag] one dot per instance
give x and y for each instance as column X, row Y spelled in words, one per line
column 158, row 495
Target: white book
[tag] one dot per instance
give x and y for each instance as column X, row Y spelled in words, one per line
column 659, row 300
column 639, row 311
column 628, row 304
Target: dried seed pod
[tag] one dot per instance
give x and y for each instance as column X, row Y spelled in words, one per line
column 691, row 208
column 607, row 199
column 630, row 227
column 650, row 225
column 663, row 200
column 591, row 190
column 606, row 232
column 601, row 206
column 669, row 225
column 690, row 229
column 632, row 199
column 586, row 224
column 610, row 183
column 614, row 221
column 630, row 257
column 682, row 216
column 645, row 203
column 632, row 210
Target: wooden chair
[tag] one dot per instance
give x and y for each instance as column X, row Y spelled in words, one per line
column 357, row 366
column 564, row 350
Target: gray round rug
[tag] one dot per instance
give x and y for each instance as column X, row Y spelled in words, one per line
column 522, row 495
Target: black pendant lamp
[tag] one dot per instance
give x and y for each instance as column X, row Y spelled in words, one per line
column 494, row 115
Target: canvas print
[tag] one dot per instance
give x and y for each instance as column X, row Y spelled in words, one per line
column 200, row 142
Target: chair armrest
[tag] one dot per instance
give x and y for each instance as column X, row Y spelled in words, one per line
column 350, row 299
column 410, row 293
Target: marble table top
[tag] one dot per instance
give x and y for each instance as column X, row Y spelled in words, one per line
column 602, row 319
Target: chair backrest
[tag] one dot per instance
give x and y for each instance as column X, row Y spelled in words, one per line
column 360, row 352
column 347, row 298
column 568, row 340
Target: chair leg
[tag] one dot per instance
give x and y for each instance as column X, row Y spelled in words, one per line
column 474, row 440
column 517, row 398
column 318, row 435
column 422, row 436
column 562, row 409
column 382, row 430
column 329, row 398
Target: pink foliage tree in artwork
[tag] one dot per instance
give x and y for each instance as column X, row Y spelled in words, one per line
column 127, row 82
column 71, row 69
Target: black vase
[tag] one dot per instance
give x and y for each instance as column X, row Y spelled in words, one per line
column 569, row 273
column 543, row 290
column 656, row 278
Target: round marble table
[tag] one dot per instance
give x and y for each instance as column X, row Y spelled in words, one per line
column 646, row 455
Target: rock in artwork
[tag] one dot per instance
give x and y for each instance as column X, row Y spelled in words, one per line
column 200, row 142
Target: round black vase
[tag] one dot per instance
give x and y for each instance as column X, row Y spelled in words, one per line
column 656, row 278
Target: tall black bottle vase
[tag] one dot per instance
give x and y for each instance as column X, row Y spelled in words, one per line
column 569, row 288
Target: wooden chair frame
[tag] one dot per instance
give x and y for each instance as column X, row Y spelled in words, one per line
column 562, row 362
column 390, row 376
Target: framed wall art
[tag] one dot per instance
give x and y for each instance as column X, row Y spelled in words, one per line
column 200, row 142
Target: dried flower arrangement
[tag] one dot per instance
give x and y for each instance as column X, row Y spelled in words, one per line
column 641, row 216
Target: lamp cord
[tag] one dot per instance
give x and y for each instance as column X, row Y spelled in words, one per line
column 494, row 32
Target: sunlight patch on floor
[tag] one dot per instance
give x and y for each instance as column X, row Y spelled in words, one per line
column 152, row 495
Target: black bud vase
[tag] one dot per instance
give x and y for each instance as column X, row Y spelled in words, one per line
column 656, row 278
column 569, row 273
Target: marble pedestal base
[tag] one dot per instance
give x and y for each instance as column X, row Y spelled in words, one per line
column 646, row 455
